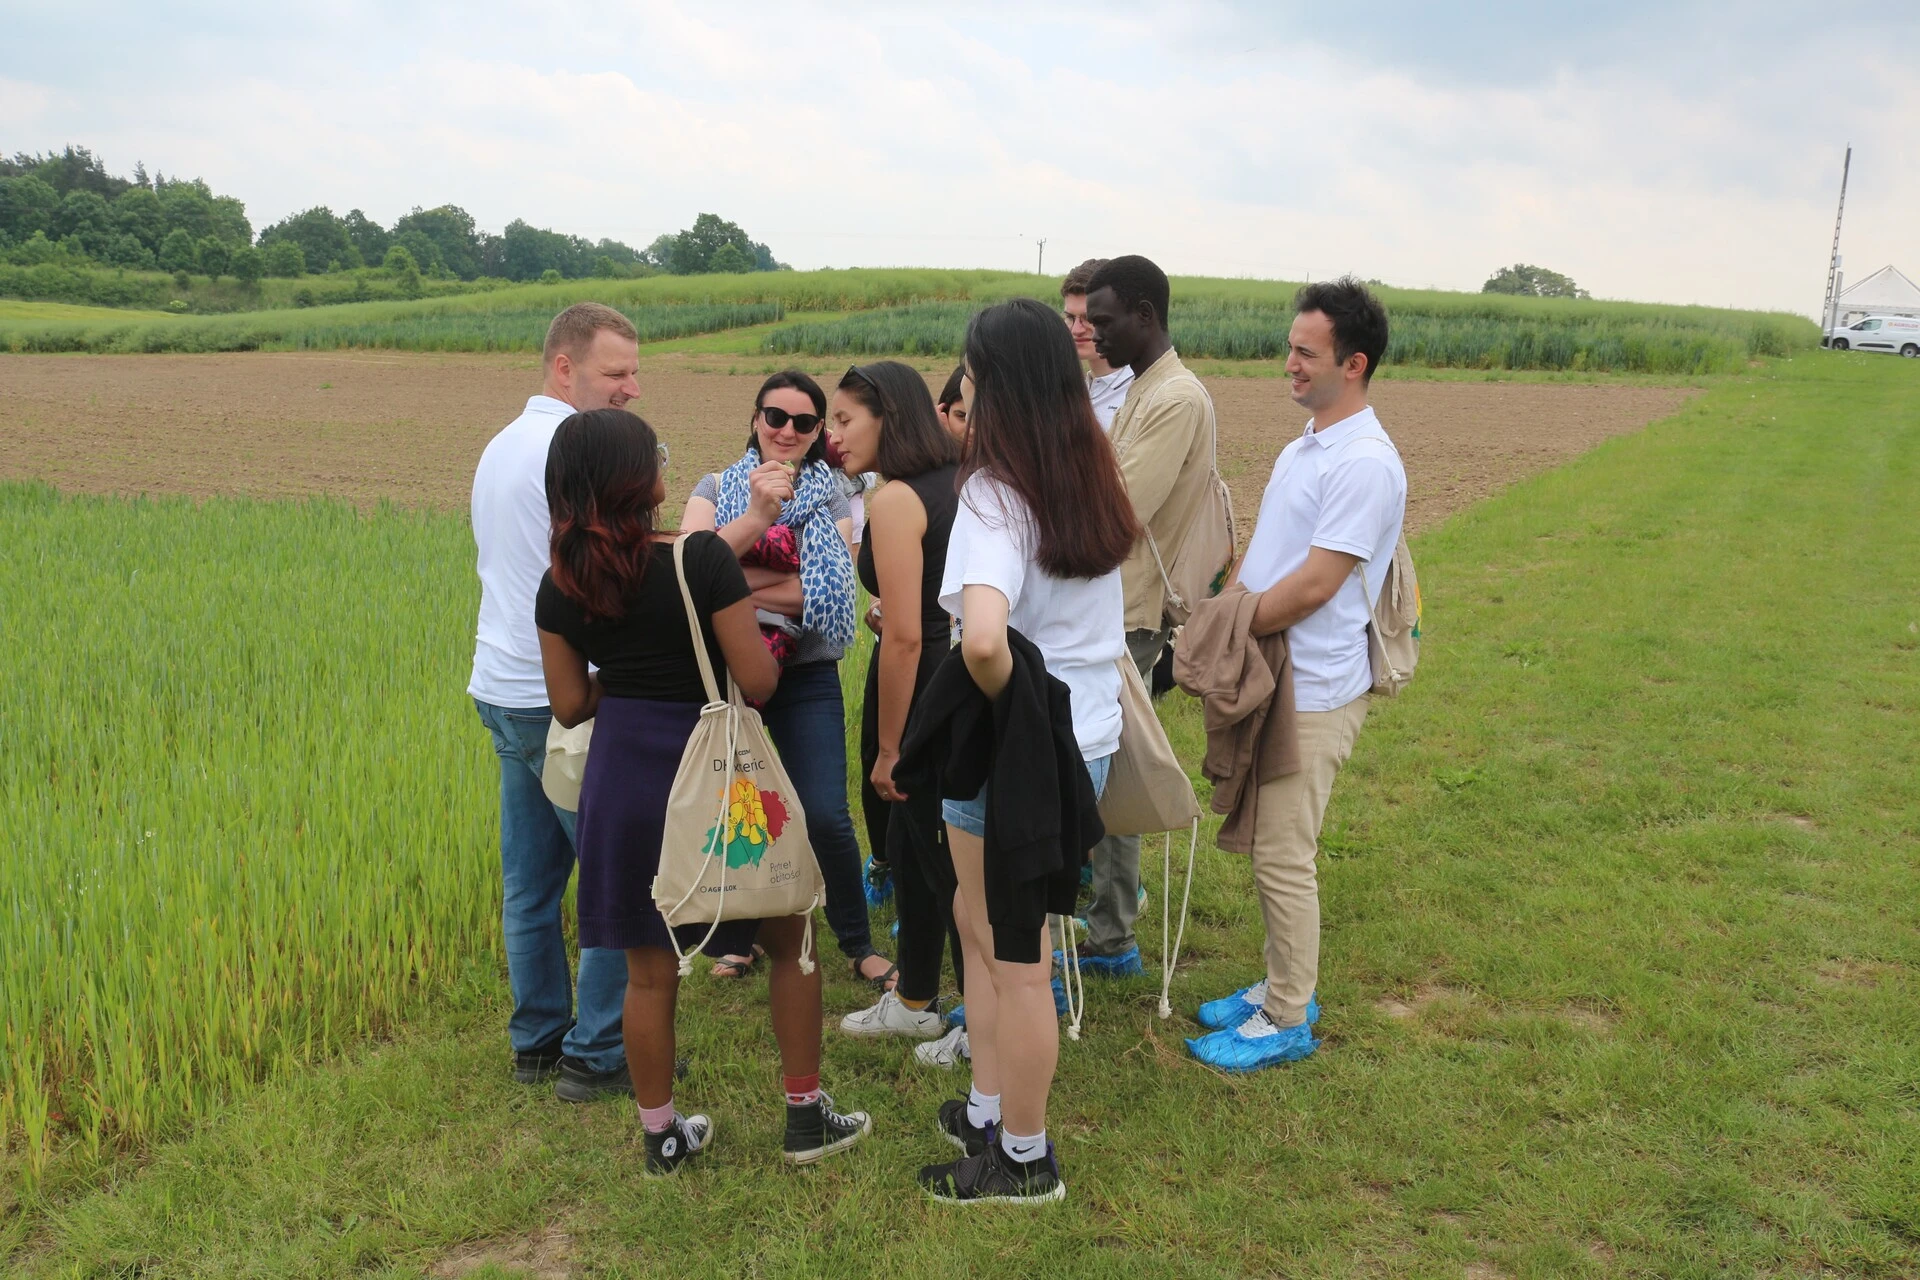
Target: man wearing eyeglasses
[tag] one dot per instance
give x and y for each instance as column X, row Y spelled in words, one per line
column 591, row 361
column 1106, row 385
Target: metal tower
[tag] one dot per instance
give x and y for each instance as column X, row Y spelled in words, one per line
column 1833, row 256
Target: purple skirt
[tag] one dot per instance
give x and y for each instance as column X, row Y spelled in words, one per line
column 623, row 810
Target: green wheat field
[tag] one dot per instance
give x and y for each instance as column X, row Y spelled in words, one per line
column 924, row 312
column 1621, row 964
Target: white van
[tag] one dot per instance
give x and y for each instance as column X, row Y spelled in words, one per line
column 1899, row 334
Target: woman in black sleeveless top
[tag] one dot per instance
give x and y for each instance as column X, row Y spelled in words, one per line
column 882, row 419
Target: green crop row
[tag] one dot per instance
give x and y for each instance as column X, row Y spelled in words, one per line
column 243, row 827
column 416, row 326
column 1425, row 330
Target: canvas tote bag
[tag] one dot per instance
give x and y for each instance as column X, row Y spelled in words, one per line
column 1148, row 793
column 735, row 843
column 1393, row 624
column 565, row 767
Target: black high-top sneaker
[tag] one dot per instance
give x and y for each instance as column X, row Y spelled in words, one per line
column 994, row 1177
column 678, row 1143
column 961, row 1132
column 815, row 1130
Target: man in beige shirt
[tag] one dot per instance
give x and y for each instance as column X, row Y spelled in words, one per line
column 1164, row 435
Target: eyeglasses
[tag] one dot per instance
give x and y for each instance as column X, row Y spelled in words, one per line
column 803, row 423
column 661, row 449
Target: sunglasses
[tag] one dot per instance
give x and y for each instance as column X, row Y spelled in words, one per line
column 803, row 423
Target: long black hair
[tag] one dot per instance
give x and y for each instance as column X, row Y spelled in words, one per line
column 602, row 469
column 912, row 441
column 1033, row 429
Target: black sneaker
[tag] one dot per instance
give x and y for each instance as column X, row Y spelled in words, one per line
column 815, row 1130
column 538, row 1065
column 994, row 1177
column 580, row 1083
column 961, row 1132
column 678, row 1143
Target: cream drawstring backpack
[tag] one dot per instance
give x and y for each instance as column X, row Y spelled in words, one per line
column 735, row 842
column 1148, row 793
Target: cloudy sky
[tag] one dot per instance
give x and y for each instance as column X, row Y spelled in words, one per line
column 1676, row 152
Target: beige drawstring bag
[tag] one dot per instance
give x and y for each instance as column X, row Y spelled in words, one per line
column 735, row 842
column 1148, row 793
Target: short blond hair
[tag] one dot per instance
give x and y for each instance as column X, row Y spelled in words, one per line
column 572, row 330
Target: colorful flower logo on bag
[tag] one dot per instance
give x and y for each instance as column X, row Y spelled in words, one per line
column 755, row 819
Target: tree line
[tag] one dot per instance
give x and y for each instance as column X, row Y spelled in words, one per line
column 67, row 209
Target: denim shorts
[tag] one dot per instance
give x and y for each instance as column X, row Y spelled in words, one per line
column 971, row 815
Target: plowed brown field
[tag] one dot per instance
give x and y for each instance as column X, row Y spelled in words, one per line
column 408, row 428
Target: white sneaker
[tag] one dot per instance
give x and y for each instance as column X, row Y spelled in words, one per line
column 888, row 1017
column 944, row 1052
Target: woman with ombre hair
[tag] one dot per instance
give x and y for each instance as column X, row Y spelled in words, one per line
column 611, row 597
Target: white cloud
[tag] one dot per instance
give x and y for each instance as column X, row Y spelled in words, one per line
column 1644, row 158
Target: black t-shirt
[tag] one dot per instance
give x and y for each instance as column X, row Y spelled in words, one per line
column 648, row 652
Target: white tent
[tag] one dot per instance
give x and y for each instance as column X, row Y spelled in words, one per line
column 1884, row 293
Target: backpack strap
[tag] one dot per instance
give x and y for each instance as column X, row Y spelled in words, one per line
column 1213, row 475
column 693, row 624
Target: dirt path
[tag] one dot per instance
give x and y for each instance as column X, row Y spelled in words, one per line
column 409, row 428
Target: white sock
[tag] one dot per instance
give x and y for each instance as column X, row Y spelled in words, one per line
column 1024, row 1150
column 983, row 1109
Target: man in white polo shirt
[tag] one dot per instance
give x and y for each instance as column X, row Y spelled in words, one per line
column 1329, row 521
column 591, row 361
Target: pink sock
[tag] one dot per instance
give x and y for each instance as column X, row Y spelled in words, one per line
column 657, row 1119
column 801, row 1089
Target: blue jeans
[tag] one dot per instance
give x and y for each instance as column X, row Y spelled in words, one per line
column 806, row 717
column 971, row 815
column 536, row 860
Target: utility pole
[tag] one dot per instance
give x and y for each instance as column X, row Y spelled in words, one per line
column 1040, row 267
column 1833, row 255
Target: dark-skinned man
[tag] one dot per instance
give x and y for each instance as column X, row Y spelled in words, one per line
column 1164, row 436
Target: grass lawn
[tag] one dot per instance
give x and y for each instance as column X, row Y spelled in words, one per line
column 1620, row 961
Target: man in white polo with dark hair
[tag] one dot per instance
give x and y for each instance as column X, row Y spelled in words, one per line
column 591, row 361
column 1329, row 522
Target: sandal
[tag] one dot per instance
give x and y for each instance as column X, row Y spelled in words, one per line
column 738, row 966
column 883, row 982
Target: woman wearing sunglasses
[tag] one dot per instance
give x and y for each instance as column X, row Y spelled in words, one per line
column 781, row 511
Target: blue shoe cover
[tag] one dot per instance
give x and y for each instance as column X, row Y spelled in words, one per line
column 1234, row 1050
column 1059, row 998
column 1231, row 1011
column 879, row 886
column 1125, row 965
column 957, row 1016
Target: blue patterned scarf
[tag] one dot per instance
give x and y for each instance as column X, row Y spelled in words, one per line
column 826, row 566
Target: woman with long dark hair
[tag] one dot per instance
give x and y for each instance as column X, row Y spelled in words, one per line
column 1042, row 527
column 611, row 597
column 883, row 420
column 781, row 511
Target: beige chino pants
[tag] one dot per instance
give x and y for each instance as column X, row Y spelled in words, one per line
column 1286, row 841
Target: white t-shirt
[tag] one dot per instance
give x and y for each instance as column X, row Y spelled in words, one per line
column 1078, row 624
column 1343, row 489
column 511, row 528
column 1109, row 392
